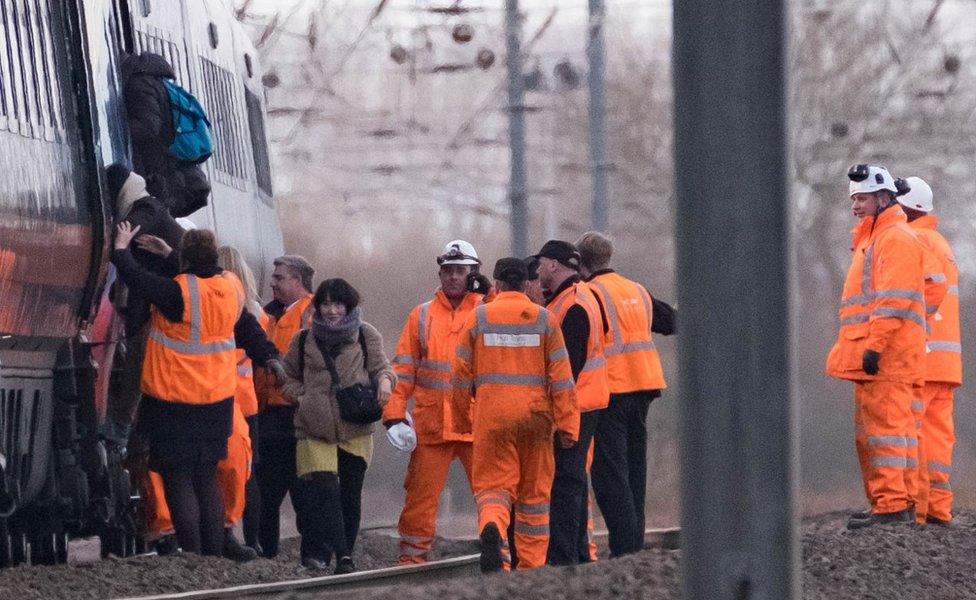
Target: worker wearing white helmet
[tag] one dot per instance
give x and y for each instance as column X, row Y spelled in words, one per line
column 423, row 366
column 943, row 366
column 881, row 343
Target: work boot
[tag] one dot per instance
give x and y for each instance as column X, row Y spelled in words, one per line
column 344, row 565
column 234, row 550
column 491, row 549
column 314, row 564
column 930, row 520
column 861, row 514
column 167, row 545
column 905, row 517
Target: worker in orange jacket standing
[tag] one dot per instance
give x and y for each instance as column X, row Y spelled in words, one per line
column 943, row 365
column 577, row 311
column 513, row 389
column 289, row 312
column 881, row 345
column 423, row 368
column 636, row 378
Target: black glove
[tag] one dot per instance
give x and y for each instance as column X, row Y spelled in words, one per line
column 477, row 283
column 869, row 362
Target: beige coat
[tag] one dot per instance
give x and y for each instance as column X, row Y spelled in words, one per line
column 318, row 411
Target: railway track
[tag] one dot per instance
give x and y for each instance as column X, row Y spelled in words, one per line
column 355, row 585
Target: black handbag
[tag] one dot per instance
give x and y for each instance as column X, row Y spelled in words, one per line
column 358, row 403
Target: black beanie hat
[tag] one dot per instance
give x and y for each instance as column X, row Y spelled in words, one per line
column 511, row 270
column 115, row 175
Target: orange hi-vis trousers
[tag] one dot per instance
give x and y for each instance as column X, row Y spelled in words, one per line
column 516, row 466
column 232, row 475
column 936, row 438
column 426, row 476
column 887, row 444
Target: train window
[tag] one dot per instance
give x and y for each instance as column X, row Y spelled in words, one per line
column 259, row 143
column 222, row 101
column 212, row 34
column 248, row 65
column 146, row 7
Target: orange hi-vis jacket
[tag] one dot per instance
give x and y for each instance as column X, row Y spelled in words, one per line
column 943, row 363
column 192, row 361
column 891, row 279
column 423, row 367
column 246, row 397
column 281, row 331
column 593, row 384
column 633, row 363
column 512, row 361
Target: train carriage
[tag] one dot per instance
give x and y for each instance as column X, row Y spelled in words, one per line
column 61, row 122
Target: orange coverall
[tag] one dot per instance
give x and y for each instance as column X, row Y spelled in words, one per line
column 883, row 309
column 513, row 387
column 943, row 374
column 423, row 368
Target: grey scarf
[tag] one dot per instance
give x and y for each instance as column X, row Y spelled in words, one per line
column 345, row 331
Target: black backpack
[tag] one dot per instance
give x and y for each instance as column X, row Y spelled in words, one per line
column 357, row 403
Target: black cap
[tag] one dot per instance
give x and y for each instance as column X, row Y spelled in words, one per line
column 115, row 176
column 561, row 251
column 531, row 268
column 510, row 270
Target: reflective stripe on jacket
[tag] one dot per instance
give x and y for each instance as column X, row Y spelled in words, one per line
column 943, row 362
column 511, row 363
column 281, row 331
column 192, row 361
column 423, row 367
column 633, row 363
column 592, row 385
column 245, row 395
column 883, row 302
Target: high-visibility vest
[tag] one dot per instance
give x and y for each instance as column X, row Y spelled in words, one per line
column 943, row 360
column 592, row 384
column 191, row 361
column 633, row 363
column 245, row 396
column 281, row 331
column 512, row 359
column 423, row 367
column 883, row 303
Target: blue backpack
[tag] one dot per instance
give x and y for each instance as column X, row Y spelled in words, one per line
column 192, row 143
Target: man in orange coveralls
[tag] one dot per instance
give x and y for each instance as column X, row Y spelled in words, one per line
column 512, row 361
column 943, row 366
column 881, row 345
column 423, row 368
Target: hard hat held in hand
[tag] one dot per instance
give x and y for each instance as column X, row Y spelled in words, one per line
column 867, row 179
column 919, row 197
column 458, row 252
column 402, row 437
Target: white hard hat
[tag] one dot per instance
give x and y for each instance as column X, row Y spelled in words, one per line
column 919, row 197
column 458, row 252
column 866, row 179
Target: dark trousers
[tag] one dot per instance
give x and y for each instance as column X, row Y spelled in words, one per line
column 568, row 511
column 620, row 469
column 251, row 521
column 332, row 508
column 196, row 507
column 276, row 477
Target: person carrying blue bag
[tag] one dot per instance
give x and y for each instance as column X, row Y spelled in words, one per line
column 170, row 133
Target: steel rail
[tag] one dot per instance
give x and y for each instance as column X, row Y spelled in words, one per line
column 353, row 585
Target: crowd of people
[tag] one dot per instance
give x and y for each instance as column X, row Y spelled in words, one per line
column 899, row 343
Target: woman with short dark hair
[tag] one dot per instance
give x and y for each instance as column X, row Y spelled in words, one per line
column 338, row 352
column 189, row 377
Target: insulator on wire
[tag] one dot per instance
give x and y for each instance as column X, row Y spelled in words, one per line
column 485, row 58
column 462, row 33
column 398, row 54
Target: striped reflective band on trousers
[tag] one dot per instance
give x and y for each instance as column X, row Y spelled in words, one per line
column 529, row 529
column 618, row 347
column 193, row 345
column 935, row 346
column 894, row 461
column 892, row 440
column 494, row 497
column 414, row 545
column 939, row 467
column 541, row 508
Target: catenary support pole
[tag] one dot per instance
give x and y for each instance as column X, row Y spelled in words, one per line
column 517, row 192
column 738, row 434
column 598, row 166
